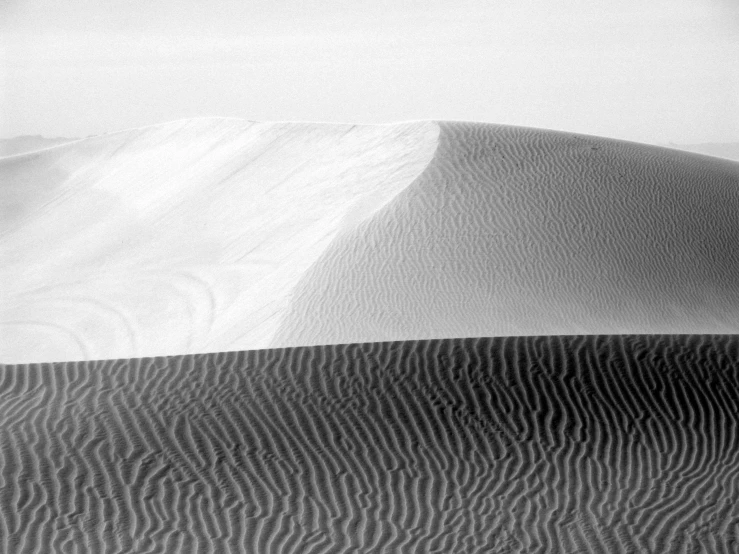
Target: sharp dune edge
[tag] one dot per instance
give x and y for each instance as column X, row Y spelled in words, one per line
column 513, row 231
column 623, row 444
column 25, row 144
column 223, row 234
column 184, row 237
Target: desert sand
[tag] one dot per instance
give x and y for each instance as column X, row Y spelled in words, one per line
column 726, row 150
column 212, row 235
column 509, row 445
column 184, row 237
column 225, row 336
column 29, row 143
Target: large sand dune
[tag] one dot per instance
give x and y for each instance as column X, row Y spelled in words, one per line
column 531, row 445
column 183, row 237
column 221, row 234
column 514, row 231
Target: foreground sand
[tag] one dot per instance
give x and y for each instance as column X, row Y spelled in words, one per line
column 221, row 234
column 534, row 444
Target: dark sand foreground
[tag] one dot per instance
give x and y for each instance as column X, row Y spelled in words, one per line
column 534, row 444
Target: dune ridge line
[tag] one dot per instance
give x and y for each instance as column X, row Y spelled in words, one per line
column 219, row 234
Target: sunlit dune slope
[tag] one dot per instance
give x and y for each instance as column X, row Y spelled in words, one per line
column 620, row 444
column 183, row 237
column 222, row 234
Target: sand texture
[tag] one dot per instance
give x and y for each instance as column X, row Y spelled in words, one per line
column 514, row 231
column 214, row 235
column 185, row 237
column 533, row 444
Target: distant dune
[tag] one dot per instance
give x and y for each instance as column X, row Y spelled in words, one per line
column 509, row 445
column 728, row 150
column 222, row 234
column 19, row 145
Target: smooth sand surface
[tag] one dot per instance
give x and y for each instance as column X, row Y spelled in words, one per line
column 512, row 445
column 184, row 237
column 29, row 143
column 221, row 234
column 727, row 150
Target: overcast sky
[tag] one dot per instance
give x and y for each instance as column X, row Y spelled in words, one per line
column 655, row 71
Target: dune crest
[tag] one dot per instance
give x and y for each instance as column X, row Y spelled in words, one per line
column 29, row 143
column 514, row 231
column 223, row 234
column 183, row 237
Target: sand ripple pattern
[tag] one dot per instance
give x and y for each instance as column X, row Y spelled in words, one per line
column 536, row 444
column 516, row 231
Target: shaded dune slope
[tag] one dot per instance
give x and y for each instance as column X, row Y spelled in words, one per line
column 536, row 444
column 513, row 231
column 27, row 143
column 215, row 235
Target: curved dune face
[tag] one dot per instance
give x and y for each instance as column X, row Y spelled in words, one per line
column 221, row 234
column 184, row 237
column 21, row 145
column 508, row 445
column 513, row 231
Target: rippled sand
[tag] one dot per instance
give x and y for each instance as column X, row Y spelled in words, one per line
column 513, row 231
column 529, row 444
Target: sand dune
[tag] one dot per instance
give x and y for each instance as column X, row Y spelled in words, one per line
column 532, row 445
column 221, row 234
column 727, row 150
column 29, row 143
column 514, row 231
column 184, row 237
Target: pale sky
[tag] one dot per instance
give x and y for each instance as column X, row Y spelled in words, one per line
column 658, row 71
